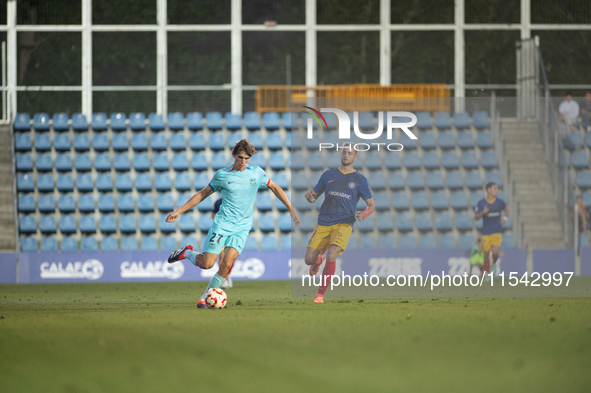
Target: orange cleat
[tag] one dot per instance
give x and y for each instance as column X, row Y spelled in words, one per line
column 316, row 266
column 201, row 304
column 319, row 299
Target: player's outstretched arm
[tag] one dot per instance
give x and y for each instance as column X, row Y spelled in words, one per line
column 371, row 206
column 191, row 203
column 278, row 191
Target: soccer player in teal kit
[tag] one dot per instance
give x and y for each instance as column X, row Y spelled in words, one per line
column 238, row 184
column 342, row 188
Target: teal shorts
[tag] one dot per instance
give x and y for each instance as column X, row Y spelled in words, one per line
column 218, row 238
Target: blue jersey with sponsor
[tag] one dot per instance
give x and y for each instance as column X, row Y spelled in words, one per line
column 342, row 191
column 491, row 221
column 239, row 190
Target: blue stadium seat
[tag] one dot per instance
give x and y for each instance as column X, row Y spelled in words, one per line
column 466, row 241
column 85, row 203
column 148, row 243
column 263, row 202
column 446, row 140
column 44, row 162
column 42, row 142
column 63, row 163
column 384, row 222
column 27, row 224
column 435, row 180
column 162, row 182
column 447, row 241
column 127, row 223
column 145, row 203
column 118, row 121
column 119, row 142
column 443, row 222
column 408, row 242
column 45, row 183
column 109, row 243
column 24, row 162
column 217, row 141
column 170, row 242
column 584, row 179
column 381, row 200
column 586, row 198
column 366, row 121
column 373, row 161
column 46, row 203
column 475, row 197
column 376, row 180
column 423, row 120
column 259, row 160
column 387, row 242
column 415, row 180
column 156, row 122
column 107, row 223
column 123, row 182
column 177, row 141
column 218, row 161
column 233, row 138
column 465, row 140
column 407, row 142
column 165, row 202
column 87, row 224
column 469, row 160
column 366, row 225
column 458, row 200
column 274, row 141
column 233, row 121
column 129, row 243
column 143, row 182
column 48, row 244
column 286, row 241
column 195, row 121
column 485, row 140
column 509, row 240
column 488, row 159
column 102, row 162
column 147, row 223
column 61, row 142
column 98, row 122
column 427, row 241
column 420, row 201
column 67, row 223
column 201, row 181
column 427, row 140
column 442, row 120
column 461, row 120
column 431, row 160
column 276, row 161
column 463, row 221
column 121, row 162
column 139, row 141
column 26, row 203
column 450, row 160
column 158, row 141
column 137, row 121
column 404, row 222
column 266, row 223
column 125, row 202
column 79, row 122
column 480, row 120
column 104, row 182
column 69, row 244
column 28, row 244
column 256, row 138
column 251, row 244
column 454, row 180
column 199, row 162
column 296, row 161
column 473, row 180
column 280, row 179
column 187, row 223
column 206, row 205
column 395, row 181
column 307, row 222
column 424, row 222
column 288, row 120
column 182, row 182
column 22, row 122
column 493, row 177
column 180, row 162
column 588, row 139
column 64, row 183
column 160, row 162
column 295, row 140
column 579, row 159
column 213, row 120
column 412, row 161
column 22, row 142
column 41, row 122
column 367, row 242
column 284, row 222
column 271, row 120
column 88, row 244
column 400, row 201
column 175, row 121
column 205, row 222
column 439, row 200
column 106, row 203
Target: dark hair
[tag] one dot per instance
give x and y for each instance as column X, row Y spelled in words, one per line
column 489, row 185
column 243, row 146
column 568, row 93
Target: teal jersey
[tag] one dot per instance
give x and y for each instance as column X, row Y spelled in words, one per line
column 239, row 190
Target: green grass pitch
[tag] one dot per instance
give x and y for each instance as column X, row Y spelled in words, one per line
column 150, row 337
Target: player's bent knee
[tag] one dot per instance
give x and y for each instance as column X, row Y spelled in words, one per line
column 208, row 261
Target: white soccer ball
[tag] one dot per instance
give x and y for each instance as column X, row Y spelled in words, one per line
column 216, row 298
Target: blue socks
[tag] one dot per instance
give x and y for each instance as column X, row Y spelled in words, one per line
column 215, row 282
column 192, row 256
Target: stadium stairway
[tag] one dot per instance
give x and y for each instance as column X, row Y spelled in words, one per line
column 7, row 225
column 531, row 177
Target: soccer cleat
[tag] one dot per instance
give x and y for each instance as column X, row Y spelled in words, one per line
column 227, row 283
column 201, row 304
column 319, row 299
column 316, row 266
column 179, row 254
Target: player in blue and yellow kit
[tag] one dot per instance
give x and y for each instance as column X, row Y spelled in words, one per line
column 238, row 184
column 342, row 188
column 494, row 213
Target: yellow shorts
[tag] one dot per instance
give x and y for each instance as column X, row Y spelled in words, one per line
column 492, row 240
column 323, row 237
